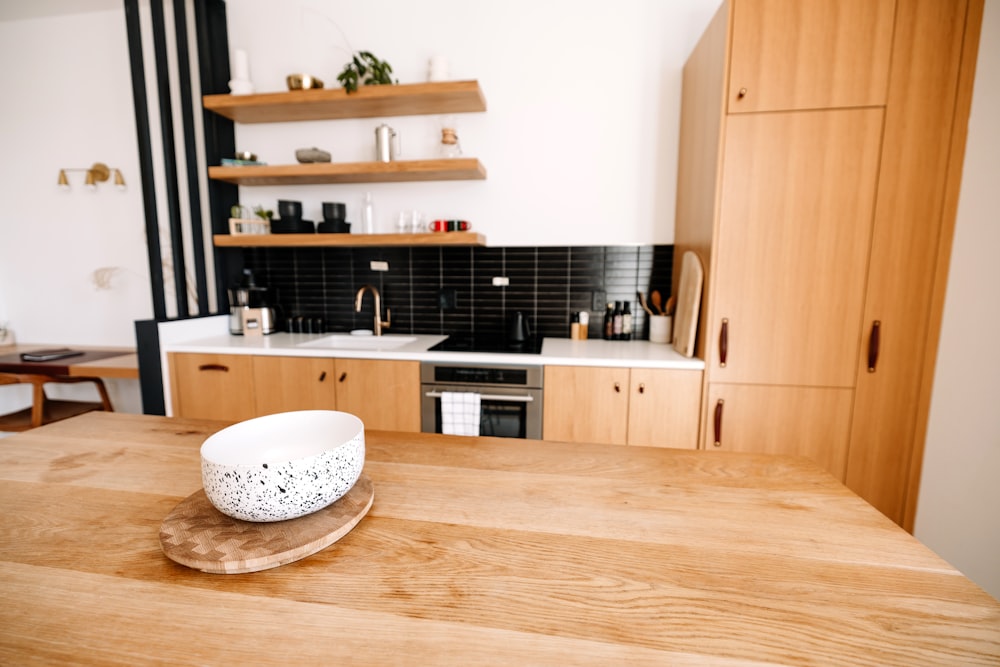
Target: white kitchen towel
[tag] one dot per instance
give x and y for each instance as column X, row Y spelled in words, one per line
column 460, row 412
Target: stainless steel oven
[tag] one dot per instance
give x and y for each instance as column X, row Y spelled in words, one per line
column 510, row 396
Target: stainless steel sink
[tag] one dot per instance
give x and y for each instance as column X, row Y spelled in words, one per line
column 349, row 342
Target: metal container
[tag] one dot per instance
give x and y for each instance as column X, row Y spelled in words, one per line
column 386, row 143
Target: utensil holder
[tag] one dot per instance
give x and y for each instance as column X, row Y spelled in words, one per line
column 659, row 328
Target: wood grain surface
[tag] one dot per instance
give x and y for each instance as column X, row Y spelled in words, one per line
column 198, row 535
column 336, row 103
column 347, row 240
column 319, row 173
column 477, row 551
column 688, row 303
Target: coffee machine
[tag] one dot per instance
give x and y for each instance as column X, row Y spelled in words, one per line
column 250, row 312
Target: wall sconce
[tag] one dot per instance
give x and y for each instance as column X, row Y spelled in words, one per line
column 97, row 173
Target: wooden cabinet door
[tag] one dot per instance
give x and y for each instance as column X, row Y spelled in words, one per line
column 809, row 54
column 284, row 384
column 793, row 238
column 664, row 408
column 385, row 395
column 813, row 422
column 913, row 224
column 586, row 404
column 212, row 386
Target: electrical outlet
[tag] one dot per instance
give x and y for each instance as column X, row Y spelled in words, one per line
column 379, row 266
column 599, row 301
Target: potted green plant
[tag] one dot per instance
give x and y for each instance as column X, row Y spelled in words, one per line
column 365, row 69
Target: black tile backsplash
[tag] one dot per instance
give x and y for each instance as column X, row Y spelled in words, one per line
column 449, row 290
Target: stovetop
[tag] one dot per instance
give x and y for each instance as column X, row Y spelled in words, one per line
column 486, row 343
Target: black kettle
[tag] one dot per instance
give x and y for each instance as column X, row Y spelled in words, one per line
column 517, row 328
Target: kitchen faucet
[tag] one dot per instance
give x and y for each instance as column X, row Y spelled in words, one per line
column 378, row 308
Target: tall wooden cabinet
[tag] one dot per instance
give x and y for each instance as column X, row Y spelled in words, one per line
column 821, row 142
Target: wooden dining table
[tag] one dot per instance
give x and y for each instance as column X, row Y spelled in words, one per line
column 476, row 551
column 91, row 361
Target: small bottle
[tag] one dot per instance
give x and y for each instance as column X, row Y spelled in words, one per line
column 616, row 330
column 627, row 322
column 368, row 214
column 609, row 320
column 450, row 148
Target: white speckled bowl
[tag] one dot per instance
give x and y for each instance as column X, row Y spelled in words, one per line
column 283, row 466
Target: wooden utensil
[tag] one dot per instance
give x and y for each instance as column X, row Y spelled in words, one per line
column 657, row 301
column 669, row 308
column 642, row 302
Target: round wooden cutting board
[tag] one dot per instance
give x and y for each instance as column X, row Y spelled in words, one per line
column 199, row 536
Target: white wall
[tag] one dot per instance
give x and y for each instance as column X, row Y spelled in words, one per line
column 958, row 514
column 580, row 135
column 69, row 104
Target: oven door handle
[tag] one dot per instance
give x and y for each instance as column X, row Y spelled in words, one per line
column 491, row 397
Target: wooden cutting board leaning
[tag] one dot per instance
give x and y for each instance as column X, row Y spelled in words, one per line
column 688, row 304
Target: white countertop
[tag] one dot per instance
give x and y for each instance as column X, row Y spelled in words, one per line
column 555, row 351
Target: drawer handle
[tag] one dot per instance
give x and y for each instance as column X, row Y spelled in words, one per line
column 618, row 388
column 343, row 376
column 213, row 367
column 718, row 423
column 642, row 388
column 741, row 94
column 724, row 342
column 500, row 398
column 873, row 345
column 322, row 376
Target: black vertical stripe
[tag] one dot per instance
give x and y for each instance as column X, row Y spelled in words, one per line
column 169, row 156
column 145, row 158
column 190, row 156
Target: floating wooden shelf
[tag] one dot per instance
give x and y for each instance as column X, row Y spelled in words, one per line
column 335, row 103
column 452, row 169
column 347, row 240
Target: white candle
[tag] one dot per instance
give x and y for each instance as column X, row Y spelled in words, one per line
column 241, row 66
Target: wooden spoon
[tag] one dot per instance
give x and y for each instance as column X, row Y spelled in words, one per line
column 657, row 301
column 669, row 308
column 642, row 302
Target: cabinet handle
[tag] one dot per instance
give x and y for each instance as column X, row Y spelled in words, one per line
column 873, row 345
column 343, row 376
column 322, row 376
column 724, row 342
column 618, row 388
column 718, row 423
column 642, row 388
column 213, row 367
column 741, row 94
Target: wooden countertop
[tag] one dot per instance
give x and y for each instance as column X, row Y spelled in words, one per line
column 477, row 551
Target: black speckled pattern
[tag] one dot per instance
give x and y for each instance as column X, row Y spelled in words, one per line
column 280, row 491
